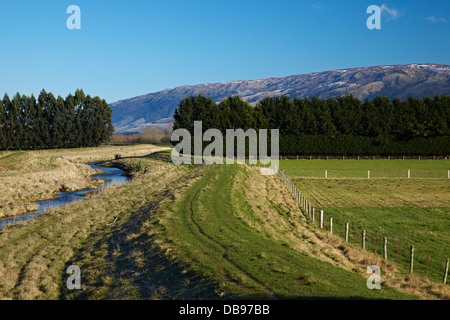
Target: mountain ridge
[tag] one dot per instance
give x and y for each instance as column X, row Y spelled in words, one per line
column 418, row 80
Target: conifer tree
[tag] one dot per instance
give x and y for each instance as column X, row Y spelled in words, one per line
column 3, row 142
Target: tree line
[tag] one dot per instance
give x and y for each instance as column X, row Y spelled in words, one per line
column 342, row 125
column 79, row 120
column 152, row 135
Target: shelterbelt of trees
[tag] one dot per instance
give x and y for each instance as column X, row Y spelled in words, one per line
column 53, row 122
column 343, row 125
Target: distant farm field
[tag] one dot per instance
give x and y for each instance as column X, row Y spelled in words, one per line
column 407, row 212
column 359, row 168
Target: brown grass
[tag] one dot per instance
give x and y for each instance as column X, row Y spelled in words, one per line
column 39, row 175
column 34, row 254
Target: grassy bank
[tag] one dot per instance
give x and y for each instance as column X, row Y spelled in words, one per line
column 189, row 232
column 244, row 231
column 27, row 176
column 406, row 211
column 107, row 236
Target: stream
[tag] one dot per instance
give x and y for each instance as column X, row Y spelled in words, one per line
column 110, row 176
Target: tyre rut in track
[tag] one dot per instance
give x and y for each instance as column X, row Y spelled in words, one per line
column 225, row 250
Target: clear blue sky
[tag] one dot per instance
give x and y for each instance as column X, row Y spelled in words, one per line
column 129, row 48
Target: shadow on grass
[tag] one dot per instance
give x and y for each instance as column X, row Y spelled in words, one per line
column 164, row 155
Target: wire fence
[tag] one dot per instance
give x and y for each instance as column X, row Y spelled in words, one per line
column 372, row 174
column 389, row 249
column 365, row 157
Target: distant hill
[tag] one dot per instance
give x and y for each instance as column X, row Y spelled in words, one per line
column 401, row 81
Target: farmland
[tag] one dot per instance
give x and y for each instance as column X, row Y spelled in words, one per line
column 194, row 232
column 28, row 176
column 413, row 211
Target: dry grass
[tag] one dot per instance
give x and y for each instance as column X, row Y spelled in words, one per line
column 289, row 225
column 111, row 236
column 391, row 275
column 95, row 234
column 279, row 214
column 376, row 192
column 39, row 175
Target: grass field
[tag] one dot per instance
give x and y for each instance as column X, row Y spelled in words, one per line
column 27, row 176
column 190, row 232
column 359, row 168
column 254, row 243
column 35, row 254
column 407, row 211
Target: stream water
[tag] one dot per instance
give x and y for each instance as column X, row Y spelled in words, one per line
column 110, row 176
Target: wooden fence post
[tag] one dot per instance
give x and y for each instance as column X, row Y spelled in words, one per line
column 363, row 239
column 346, row 232
column 368, row 174
column 385, row 248
column 313, row 214
column 331, row 225
column 321, row 219
column 326, row 173
column 446, row 271
column 411, row 263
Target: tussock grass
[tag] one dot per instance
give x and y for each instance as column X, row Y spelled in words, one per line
column 38, row 175
column 109, row 237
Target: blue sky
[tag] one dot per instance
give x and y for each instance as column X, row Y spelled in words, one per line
column 129, row 48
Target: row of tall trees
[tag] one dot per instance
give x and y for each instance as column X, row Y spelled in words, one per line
column 53, row 122
column 343, row 125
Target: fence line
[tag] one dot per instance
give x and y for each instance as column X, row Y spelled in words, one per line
column 364, row 157
column 308, row 211
column 375, row 174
